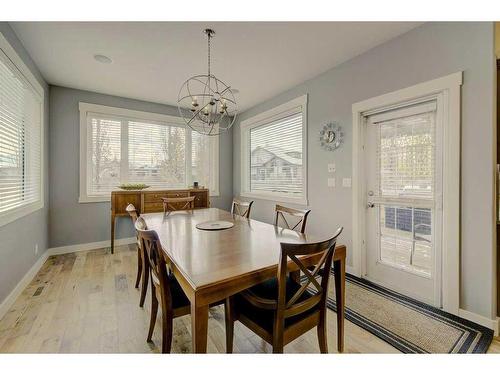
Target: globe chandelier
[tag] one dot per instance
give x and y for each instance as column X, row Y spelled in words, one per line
column 206, row 103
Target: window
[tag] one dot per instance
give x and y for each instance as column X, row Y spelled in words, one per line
column 21, row 129
column 123, row 146
column 274, row 153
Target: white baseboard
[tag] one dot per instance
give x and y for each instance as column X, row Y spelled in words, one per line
column 479, row 319
column 21, row 285
column 16, row 292
column 349, row 269
column 89, row 246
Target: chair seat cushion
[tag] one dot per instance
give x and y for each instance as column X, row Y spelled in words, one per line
column 269, row 289
column 179, row 298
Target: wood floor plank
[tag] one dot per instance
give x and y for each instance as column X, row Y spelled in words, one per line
column 86, row 302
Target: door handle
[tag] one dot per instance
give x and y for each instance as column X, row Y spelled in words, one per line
column 370, row 205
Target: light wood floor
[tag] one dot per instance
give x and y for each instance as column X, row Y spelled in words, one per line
column 86, row 303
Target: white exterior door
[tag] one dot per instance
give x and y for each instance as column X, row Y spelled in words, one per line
column 404, row 201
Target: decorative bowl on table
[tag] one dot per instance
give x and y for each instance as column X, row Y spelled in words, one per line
column 133, row 186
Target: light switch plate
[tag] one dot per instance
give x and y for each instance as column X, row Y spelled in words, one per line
column 331, row 182
column 331, row 167
column 346, row 182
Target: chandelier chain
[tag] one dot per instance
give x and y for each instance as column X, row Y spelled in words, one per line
column 209, row 36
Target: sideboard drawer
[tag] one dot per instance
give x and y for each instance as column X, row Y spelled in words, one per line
column 156, row 197
column 152, row 207
column 200, row 199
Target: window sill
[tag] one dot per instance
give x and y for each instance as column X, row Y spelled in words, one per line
column 94, row 199
column 97, row 199
column 17, row 213
column 276, row 198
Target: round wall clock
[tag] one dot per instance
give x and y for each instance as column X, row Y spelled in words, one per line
column 331, row 136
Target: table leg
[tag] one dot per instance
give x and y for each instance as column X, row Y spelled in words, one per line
column 339, row 269
column 112, row 232
column 199, row 326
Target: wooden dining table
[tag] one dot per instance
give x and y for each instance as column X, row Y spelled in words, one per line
column 213, row 265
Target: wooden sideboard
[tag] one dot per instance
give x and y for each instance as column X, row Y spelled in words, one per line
column 147, row 201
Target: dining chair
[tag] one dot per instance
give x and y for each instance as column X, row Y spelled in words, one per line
column 241, row 208
column 282, row 212
column 282, row 309
column 142, row 265
column 165, row 289
column 175, row 204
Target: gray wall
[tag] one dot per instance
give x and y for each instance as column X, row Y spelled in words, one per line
column 430, row 51
column 18, row 239
column 72, row 222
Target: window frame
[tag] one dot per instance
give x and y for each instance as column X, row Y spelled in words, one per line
column 264, row 118
column 29, row 78
column 87, row 109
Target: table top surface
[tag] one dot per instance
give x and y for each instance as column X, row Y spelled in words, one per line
column 208, row 257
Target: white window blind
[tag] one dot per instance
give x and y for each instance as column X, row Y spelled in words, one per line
column 202, row 167
column 105, row 154
column 156, row 154
column 20, row 140
column 162, row 154
column 276, row 156
column 406, row 152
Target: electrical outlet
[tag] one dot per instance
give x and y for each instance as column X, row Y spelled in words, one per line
column 36, row 249
column 331, row 182
column 346, row 182
column 331, row 167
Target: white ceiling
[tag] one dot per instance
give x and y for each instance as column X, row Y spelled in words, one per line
column 152, row 59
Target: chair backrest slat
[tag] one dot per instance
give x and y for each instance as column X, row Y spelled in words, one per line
column 154, row 255
column 318, row 295
column 132, row 212
column 281, row 211
column 241, row 208
column 175, row 204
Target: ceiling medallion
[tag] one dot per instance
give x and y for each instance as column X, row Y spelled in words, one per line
column 331, row 136
column 206, row 103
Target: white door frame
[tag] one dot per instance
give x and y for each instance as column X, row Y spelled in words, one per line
column 448, row 88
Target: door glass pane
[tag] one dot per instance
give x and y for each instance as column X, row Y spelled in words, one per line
column 406, row 238
column 406, row 157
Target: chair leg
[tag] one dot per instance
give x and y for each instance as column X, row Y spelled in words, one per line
column 278, row 332
column 154, row 312
column 139, row 268
column 229, row 316
column 277, row 348
column 322, row 336
column 145, row 280
column 167, row 322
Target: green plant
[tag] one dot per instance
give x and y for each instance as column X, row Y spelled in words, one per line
column 133, row 186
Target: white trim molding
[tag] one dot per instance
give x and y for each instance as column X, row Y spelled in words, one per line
column 8, row 302
column 89, row 246
column 263, row 118
column 481, row 320
column 448, row 90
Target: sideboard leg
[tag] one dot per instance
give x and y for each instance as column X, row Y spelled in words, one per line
column 112, row 233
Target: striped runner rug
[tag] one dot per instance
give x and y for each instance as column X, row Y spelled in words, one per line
column 409, row 325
